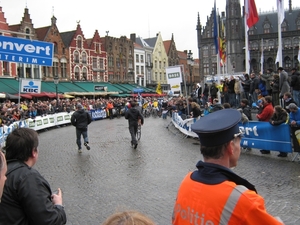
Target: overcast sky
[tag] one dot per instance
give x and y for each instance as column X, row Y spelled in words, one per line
column 119, row 17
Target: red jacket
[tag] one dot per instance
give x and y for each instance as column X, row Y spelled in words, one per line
column 266, row 113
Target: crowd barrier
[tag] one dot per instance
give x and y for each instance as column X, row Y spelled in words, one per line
column 47, row 121
column 259, row 135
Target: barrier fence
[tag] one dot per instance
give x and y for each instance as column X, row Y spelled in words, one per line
column 260, row 135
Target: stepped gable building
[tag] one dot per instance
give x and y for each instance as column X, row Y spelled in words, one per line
column 79, row 55
column 98, row 57
column 264, row 34
column 26, row 30
column 61, row 67
column 6, row 68
column 160, row 61
column 120, row 59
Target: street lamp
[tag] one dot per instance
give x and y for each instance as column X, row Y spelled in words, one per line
column 56, row 81
column 190, row 62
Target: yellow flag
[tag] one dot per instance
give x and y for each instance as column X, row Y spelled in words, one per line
column 158, row 89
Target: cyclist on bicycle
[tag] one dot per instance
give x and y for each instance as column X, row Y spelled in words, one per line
column 133, row 116
column 155, row 104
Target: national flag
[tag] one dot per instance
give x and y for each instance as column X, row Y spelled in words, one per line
column 216, row 33
column 222, row 45
column 280, row 11
column 158, row 89
column 251, row 13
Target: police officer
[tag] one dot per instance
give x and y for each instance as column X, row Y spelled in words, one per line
column 213, row 194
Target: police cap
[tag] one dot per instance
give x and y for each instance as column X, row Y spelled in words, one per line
column 218, row 128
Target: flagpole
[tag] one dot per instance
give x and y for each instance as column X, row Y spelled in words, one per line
column 279, row 45
column 262, row 57
column 246, row 46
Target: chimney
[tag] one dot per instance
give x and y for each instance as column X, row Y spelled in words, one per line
column 290, row 6
column 133, row 37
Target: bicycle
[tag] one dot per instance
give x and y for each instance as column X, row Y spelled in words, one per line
column 154, row 112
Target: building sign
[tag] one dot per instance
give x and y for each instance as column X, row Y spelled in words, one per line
column 30, row 86
column 100, row 88
column 174, row 78
column 20, row 50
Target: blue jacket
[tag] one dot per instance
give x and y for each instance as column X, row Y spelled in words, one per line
column 295, row 116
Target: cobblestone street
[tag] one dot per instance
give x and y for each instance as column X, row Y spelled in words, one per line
column 113, row 176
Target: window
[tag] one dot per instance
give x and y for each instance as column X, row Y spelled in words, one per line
column 136, row 58
column 142, row 70
column 101, row 64
column 130, row 64
column 79, row 42
column 284, row 26
column 206, row 68
column 55, row 48
column 77, row 74
column 46, row 71
column 55, row 67
column 94, row 63
column 6, row 69
column 159, row 64
column 76, row 57
column 97, row 48
column 118, row 62
column 298, row 24
column 84, row 73
column 27, row 31
column 137, row 70
column 251, row 30
column 287, row 62
column 110, row 61
column 83, row 55
column 205, row 51
column 213, row 50
column 142, row 59
column 267, row 28
column 63, row 63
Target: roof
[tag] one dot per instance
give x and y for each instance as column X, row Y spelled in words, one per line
column 67, row 37
column 42, row 32
column 151, row 41
column 290, row 18
column 167, row 45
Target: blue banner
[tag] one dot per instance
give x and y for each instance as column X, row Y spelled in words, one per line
column 262, row 135
column 98, row 114
column 21, row 50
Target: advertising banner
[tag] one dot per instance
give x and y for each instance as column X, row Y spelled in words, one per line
column 21, row 50
column 30, row 86
column 174, row 78
column 259, row 135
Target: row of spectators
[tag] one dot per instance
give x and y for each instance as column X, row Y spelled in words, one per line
column 10, row 112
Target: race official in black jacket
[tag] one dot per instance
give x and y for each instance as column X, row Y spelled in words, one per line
column 133, row 115
column 27, row 197
column 81, row 119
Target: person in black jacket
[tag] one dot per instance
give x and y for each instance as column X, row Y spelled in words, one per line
column 3, row 170
column 27, row 197
column 133, row 115
column 295, row 85
column 246, row 109
column 81, row 119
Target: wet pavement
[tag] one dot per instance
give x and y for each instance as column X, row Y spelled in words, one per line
column 113, row 176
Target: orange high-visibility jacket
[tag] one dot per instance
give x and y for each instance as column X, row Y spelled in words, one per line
column 219, row 204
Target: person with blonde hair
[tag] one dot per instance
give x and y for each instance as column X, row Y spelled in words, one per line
column 128, row 218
